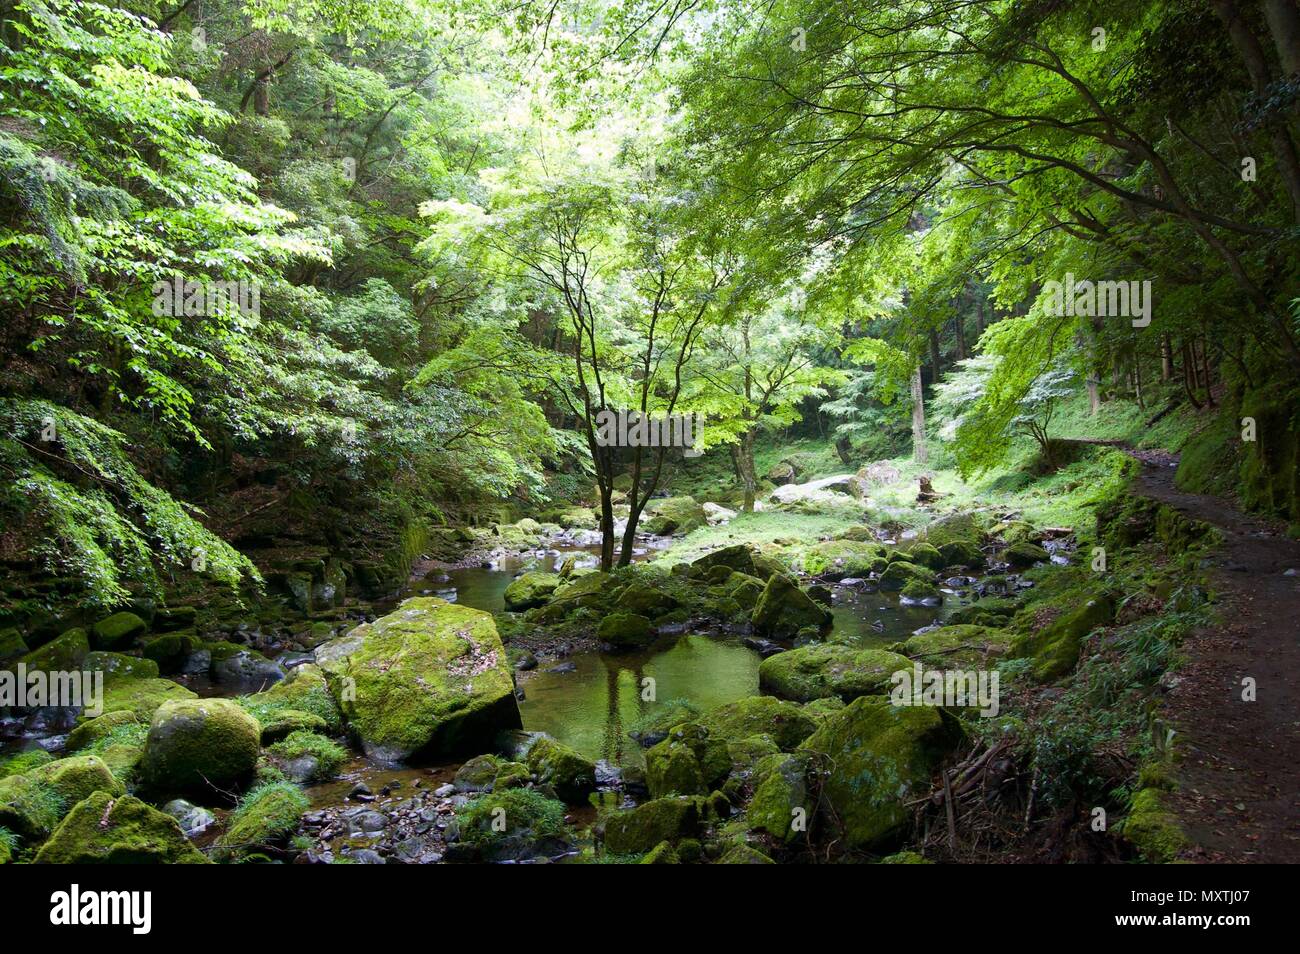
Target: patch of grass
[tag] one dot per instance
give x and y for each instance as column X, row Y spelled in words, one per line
column 519, row 810
column 329, row 755
column 24, row 762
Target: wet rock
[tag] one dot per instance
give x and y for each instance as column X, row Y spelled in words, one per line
column 193, row 820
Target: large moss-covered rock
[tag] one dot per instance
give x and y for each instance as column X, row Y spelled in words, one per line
column 430, row 678
column 1025, row 554
column 783, row 609
column 571, row 775
column 170, row 650
column 29, row 806
column 196, row 745
column 739, row 558
column 690, row 761
column 986, row 611
column 93, row 730
column 109, row 829
column 589, row 589
column 117, row 664
column 901, row 572
column 780, row 805
column 305, row 690
column 822, row 670
column 141, row 696
column 879, row 756
column 643, row 598
column 1055, row 647
column 954, row 528
column 926, row 555
column 784, row 722
column 75, row 778
column 837, row 559
column 673, row 515
column 625, row 630
column 531, row 589
column 960, row 647
column 644, row 827
column 120, row 629
column 65, row 653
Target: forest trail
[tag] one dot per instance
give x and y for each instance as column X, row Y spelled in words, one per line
column 1238, row 762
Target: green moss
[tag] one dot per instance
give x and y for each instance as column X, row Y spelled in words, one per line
column 926, row 555
column 1153, row 829
column 64, row 653
column 900, row 572
column 784, row 722
column 523, row 815
column 690, row 761
column 531, row 589
column 263, row 820
column 304, row 691
column 745, row 855
column 672, row 515
column 431, row 677
column 918, row 590
column 842, row 558
column 625, row 630
column 661, row 854
column 117, row 664
column 120, row 629
column 195, row 745
column 570, row 775
column 75, row 778
column 1025, row 554
column 781, row 796
column 329, row 755
column 29, row 806
column 24, row 762
column 1055, row 647
column 905, row 858
column 642, row 828
column 960, row 647
column 783, row 609
column 107, row 829
column 821, row 670
column 878, row 757
column 11, row 643
column 141, row 696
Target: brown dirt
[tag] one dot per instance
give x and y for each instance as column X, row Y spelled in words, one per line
column 1238, row 769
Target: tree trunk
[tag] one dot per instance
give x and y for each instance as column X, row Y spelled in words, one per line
column 1094, row 399
column 1166, row 358
column 745, row 463
column 919, row 453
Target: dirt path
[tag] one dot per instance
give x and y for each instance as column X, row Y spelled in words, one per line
column 1238, row 762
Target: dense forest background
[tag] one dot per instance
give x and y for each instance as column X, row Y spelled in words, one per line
column 470, row 228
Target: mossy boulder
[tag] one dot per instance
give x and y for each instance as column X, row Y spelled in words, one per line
column 879, row 757
column 570, row 775
column 1055, row 647
column 780, row 805
column 739, row 558
column 117, row 664
column 11, row 643
column 953, row 528
column 961, row 553
column 65, row 653
column 673, row 515
column 430, row 678
column 625, row 630
column 592, row 590
column 783, row 609
column 142, row 696
column 197, row 745
column 920, row 591
column 120, row 629
column 837, row 559
column 690, row 761
column 960, row 647
column 530, row 590
column 29, row 806
column 76, row 777
column 281, row 723
column 901, row 572
column 262, row 821
column 661, row 854
column 986, row 611
column 305, row 756
column 305, row 690
column 1152, row 829
column 926, row 555
column 822, row 670
column 646, row 826
column 118, row 829
column 171, row 618
column 784, row 722
column 170, row 650
column 644, row 599
column 745, row 855
column 1025, row 554
column 510, row 825
column 93, row 730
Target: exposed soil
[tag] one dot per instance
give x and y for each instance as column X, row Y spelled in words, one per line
column 1238, row 762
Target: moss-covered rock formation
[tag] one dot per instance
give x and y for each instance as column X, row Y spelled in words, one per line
column 829, row 669
column 196, row 745
column 431, row 677
column 109, row 829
